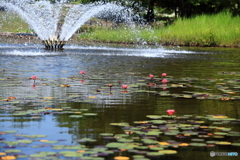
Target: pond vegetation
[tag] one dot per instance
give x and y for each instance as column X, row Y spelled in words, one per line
column 158, row 136
column 219, row 30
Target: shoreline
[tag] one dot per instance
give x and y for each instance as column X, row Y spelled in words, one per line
column 21, row 38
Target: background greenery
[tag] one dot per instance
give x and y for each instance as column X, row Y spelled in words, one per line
column 170, row 22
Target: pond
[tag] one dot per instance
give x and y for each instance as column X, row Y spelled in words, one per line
column 64, row 114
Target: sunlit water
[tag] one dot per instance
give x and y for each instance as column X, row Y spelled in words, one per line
column 112, row 64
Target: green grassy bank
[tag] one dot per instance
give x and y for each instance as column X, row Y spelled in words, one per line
column 10, row 22
column 205, row 30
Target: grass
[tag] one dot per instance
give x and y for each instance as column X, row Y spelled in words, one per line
column 205, row 30
column 10, row 22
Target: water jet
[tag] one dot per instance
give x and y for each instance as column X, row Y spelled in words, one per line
column 55, row 23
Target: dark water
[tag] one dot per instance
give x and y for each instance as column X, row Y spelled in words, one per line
column 103, row 66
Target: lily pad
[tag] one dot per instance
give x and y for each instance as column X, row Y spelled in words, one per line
column 12, row 151
column 168, row 151
column 154, row 154
column 89, row 114
column 114, row 145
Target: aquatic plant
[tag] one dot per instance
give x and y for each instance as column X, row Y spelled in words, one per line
column 151, row 76
column 124, row 86
column 164, row 74
column 170, row 112
column 164, row 81
column 34, row 78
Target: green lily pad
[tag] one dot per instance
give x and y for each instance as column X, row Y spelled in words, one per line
column 25, row 141
column 168, row 151
column 47, row 153
column 114, row 145
column 37, row 155
column 156, row 148
column 158, row 121
column 149, row 141
column 76, row 116
column 12, row 151
column 34, row 136
column 236, row 144
column 220, row 133
column 58, row 147
column 141, row 147
column 106, row 134
column 83, row 140
column 80, row 147
column 89, row 114
column 10, row 131
column 50, row 141
column 11, row 143
column 154, row 154
column 153, row 133
column 198, row 144
column 124, row 140
column 120, row 124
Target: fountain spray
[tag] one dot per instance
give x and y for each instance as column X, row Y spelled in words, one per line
column 55, row 23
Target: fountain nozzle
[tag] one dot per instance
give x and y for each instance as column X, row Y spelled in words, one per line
column 55, row 44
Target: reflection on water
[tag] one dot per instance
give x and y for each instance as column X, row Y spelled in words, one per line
column 106, row 65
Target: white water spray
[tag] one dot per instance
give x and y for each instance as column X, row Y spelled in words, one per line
column 56, row 23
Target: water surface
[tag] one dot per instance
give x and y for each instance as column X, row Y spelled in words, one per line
column 109, row 65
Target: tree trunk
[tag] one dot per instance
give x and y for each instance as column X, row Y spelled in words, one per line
column 150, row 12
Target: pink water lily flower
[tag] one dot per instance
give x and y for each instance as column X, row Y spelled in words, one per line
column 34, row 77
column 170, row 112
column 164, row 74
column 124, row 86
column 164, row 81
column 151, row 76
column 82, row 72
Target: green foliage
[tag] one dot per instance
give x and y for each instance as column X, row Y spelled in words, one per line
column 206, row 30
column 10, row 22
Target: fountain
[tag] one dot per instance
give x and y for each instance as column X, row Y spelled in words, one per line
column 55, row 23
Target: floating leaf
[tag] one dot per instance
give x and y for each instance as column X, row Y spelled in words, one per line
column 37, row 155
column 120, row 124
column 89, row 114
column 83, row 140
column 154, row 154
column 77, row 147
column 168, row 151
column 76, row 116
column 106, row 134
column 2, row 153
column 121, row 158
column 8, row 157
column 10, row 131
column 25, row 141
column 197, row 144
column 47, row 141
column 223, row 143
column 114, row 145
column 12, row 151
column 236, row 144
